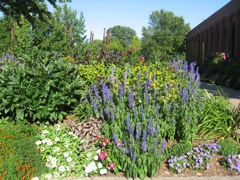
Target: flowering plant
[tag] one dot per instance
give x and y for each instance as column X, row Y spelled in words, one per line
column 59, row 149
column 196, row 159
column 232, row 162
column 101, row 159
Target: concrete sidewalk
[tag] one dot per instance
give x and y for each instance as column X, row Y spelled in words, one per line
column 160, row 178
column 231, row 94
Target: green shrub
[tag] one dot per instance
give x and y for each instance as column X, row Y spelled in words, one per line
column 19, row 157
column 179, row 149
column 218, row 119
column 228, row 147
column 39, row 90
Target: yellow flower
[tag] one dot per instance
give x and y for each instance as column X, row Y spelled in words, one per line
column 238, row 156
column 140, row 101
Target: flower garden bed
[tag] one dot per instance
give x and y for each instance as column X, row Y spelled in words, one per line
column 134, row 120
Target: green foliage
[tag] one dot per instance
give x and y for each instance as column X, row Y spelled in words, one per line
column 19, row 157
column 218, row 119
column 228, row 147
column 29, row 9
column 224, row 73
column 39, row 90
column 6, row 24
column 116, row 45
column 179, row 149
column 123, row 34
column 164, row 38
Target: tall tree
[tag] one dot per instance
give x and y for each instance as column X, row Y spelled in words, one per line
column 165, row 36
column 123, row 34
column 30, row 9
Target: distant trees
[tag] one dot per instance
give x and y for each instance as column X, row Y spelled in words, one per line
column 123, row 34
column 165, row 36
column 63, row 32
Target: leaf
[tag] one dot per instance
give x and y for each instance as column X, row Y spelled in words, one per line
column 19, row 114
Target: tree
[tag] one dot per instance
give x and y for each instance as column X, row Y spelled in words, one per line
column 115, row 45
column 165, row 36
column 135, row 45
column 123, row 34
column 30, row 9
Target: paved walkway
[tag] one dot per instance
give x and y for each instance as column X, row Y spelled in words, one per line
column 231, row 94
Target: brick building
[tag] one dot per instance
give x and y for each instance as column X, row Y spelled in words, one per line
column 218, row 33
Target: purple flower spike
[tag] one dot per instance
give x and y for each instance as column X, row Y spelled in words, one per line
column 150, row 127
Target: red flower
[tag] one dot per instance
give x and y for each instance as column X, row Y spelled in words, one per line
column 142, row 58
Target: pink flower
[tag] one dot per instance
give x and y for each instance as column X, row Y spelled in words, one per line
column 97, row 137
column 112, row 165
column 101, row 156
column 105, row 154
column 142, row 58
column 107, row 140
column 103, row 143
column 223, row 56
column 119, row 144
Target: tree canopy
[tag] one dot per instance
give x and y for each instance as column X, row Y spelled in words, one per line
column 123, row 34
column 30, row 9
column 165, row 36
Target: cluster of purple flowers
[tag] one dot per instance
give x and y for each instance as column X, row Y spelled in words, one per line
column 233, row 162
column 196, row 159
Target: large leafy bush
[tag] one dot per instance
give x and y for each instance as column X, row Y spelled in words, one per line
column 39, row 89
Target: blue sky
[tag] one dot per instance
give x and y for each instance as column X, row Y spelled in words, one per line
column 100, row 14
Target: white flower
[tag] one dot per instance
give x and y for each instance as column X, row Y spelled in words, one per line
column 67, row 168
column 58, row 127
column 95, row 158
column 61, row 168
column 63, row 135
column 56, row 149
column 66, row 145
column 94, row 168
column 99, row 165
column 49, row 143
column 42, row 149
column 38, row 142
column 46, row 140
column 69, row 159
column 66, row 154
column 35, row 178
column 56, row 139
column 103, row 171
column 48, row 164
column 70, row 133
column 98, row 151
column 48, row 176
column 89, row 155
column 45, row 131
column 53, row 159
